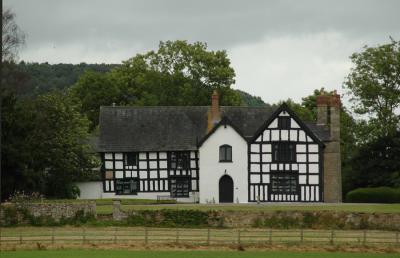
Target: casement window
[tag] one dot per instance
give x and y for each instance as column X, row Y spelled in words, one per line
column 225, row 153
column 284, row 122
column 179, row 160
column 283, row 152
column 283, row 183
column 130, row 158
column 126, row 186
column 180, row 186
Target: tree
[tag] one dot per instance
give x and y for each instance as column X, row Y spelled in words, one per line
column 374, row 87
column 377, row 163
column 12, row 37
column 303, row 112
column 94, row 90
column 45, row 145
column 249, row 100
column 178, row 73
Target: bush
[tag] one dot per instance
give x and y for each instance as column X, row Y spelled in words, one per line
column 168, row 218
column 374, row 195
column 10, row 214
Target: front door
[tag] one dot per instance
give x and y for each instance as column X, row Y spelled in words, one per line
column 226, row 189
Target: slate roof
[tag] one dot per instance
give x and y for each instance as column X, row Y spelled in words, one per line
column 174, row 127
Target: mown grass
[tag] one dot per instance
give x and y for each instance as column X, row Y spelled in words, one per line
column 182, row 254
column 368, row 208
column 102, row 202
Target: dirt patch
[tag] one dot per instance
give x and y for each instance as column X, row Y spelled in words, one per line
column 214, row 247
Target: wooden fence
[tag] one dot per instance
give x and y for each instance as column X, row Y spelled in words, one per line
column 119, row 235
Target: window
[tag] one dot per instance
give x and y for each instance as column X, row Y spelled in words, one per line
column 225, row 153
column 126, row 186
column 283, row 152
column 180, row 186
column 130, row 159
column 179, row 160
column 284, row 183
column 284, row 122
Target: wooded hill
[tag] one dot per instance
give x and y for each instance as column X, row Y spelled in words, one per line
column 39, row 78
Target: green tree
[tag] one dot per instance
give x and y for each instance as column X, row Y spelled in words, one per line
column 45, row 145
column 250, row 100
column 16, row 127
column 178, row 73
column 377, row 163
column 94, row 90
column 303, row 112
column 59, row 144
column 374, row 87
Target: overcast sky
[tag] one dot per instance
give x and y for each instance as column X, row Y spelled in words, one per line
column 279, row 49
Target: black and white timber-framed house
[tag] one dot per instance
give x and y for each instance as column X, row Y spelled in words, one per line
column 219, row 154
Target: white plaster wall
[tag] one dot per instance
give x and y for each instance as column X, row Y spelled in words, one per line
column 90, row 190
column 211, row 170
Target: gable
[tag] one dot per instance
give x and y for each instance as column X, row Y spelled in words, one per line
column 297, row 131
column 225, row 123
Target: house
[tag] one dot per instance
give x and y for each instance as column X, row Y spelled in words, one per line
column 219, row 154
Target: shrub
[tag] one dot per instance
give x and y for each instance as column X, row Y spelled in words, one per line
column 168, row 218
column 10, row 214
column 283, row 221
column 374, row 195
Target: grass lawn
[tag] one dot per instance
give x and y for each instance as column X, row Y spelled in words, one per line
column 180, row 254
column 369, row 208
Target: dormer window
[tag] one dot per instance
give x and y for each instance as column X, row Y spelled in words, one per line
column 284, row 122
column 225, row 153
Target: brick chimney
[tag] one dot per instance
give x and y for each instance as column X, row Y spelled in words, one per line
column 214, row 115
column 328, row 114
column 322, row 108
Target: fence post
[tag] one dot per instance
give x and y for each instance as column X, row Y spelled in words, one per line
column 364, row 237
column 53, row 236
column 270, row 236
column 20, row 238
column 177, row 235
column 83, row 235
column 332, row 236
column 146, row 236
column 208, row 236
column 301, row 235
column 397, row 238
column 238, row 240
column 115, row 235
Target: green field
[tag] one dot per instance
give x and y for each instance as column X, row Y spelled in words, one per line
column 180, row 254
column 369, row 208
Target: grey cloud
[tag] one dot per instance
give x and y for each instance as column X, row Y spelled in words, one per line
column 222, row 24
column 279, row 49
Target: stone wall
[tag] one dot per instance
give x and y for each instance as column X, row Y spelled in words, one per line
column 310, row 219
column 280, row 219
column 54, row 210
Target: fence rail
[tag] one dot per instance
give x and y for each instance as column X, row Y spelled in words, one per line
column 195, row 236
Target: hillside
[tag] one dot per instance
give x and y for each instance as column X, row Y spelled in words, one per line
column 43, row 77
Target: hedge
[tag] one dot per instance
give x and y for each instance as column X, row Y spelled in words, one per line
column 374, row 195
